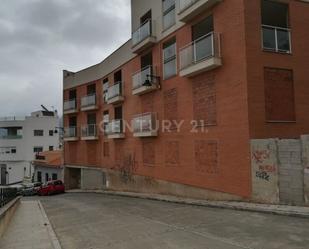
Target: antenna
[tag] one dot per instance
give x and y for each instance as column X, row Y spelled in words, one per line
column 44, row 108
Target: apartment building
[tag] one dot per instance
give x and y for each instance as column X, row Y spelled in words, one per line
column 174, row 109
column 21, row 138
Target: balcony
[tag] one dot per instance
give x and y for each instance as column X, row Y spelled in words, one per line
column 89, row 103
column 188, row 9
column 201, row 55
column 70, row 134
column 276, row 39
column 144, row 37
column 11, row 137
column 115, row 93
column 143, row 81
column 69, row 106
column 89, row 132
column 114, row 129
column 145, row 125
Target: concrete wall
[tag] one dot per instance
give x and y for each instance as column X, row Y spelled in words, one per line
column 264, row 162
column 305, row 160
column 6, row 214
column 280, row 170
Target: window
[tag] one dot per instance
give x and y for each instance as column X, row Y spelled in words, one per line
column 51, row 148
column 168, row 13
column 105, row 89
column 169, row 57
column 39, row 176
column 275, row 26
column 91, row 89
column 13, row 151
column 51, row 133
column 37, row 149
column 55, row 177
column 72, row 94
column 105, row 120
column 38, row 133
column 46, row 177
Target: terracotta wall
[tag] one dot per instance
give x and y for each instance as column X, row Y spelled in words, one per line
column 217, row 156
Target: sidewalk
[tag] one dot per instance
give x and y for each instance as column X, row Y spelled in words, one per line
column 29, row 229
column 295, row 211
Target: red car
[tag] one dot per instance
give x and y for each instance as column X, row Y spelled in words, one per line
column 52, row 187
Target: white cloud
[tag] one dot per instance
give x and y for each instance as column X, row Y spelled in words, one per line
column 39, row 38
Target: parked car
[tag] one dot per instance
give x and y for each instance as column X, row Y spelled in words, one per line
column 31, row 189
column 52, row 187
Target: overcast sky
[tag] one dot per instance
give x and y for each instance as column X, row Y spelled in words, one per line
column 40, row 38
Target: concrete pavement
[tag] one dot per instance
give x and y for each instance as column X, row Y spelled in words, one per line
column 29, row 229
column 98, row 221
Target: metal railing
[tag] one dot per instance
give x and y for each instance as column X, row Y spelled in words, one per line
column 201, row 49
column 11, row 136
column 144, row 31
column 88, row 100
column 7, row 195
column 115, row 90
column 89, row 130
column 70, row 132
column 114, row 127
column 276, row 39
column 145, row 122
column 12, row 118
column 69, row 105
column 141, row 77
column 184, row 4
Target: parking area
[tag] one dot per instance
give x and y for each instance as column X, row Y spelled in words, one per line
column 98, row 221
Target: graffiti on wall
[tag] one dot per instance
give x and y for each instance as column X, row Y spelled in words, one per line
column 264, row 170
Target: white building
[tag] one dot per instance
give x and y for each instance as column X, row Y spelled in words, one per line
column 21, row 139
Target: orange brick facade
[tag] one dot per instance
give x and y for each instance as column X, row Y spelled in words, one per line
column 229, row 100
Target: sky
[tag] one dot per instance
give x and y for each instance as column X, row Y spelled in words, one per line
column 40, row 38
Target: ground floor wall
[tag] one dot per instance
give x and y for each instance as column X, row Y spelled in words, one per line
column 280, row 170
column 105, row 179
column 15, row 172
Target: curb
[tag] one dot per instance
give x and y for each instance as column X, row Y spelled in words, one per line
column 50, row 230
column 283, row 210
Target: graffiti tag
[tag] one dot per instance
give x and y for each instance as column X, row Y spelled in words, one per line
column 262, row 175
column 261, row 155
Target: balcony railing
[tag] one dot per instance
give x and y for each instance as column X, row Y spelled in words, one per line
column 69, row 105
column 115, row 90
column 203, row 48
column 144, row 80
column 144, row 31
column 184, row 4
column 70, row 132
column 114, row 127
column 89, row 130
column 145, row 124
column 11, row 136
column 88, row 100
column 276, row 39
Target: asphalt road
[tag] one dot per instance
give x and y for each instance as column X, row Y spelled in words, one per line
column 97, row 221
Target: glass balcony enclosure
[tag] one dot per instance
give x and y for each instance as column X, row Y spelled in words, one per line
column 114, row 90
column 69, row 105
column 70, row 132
column 145, row 123
column 201, row 49
column 144, row 31
column 144, row 77
column 88, row 100
column 89, row 130
column 115, row 127
column 11, row 133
